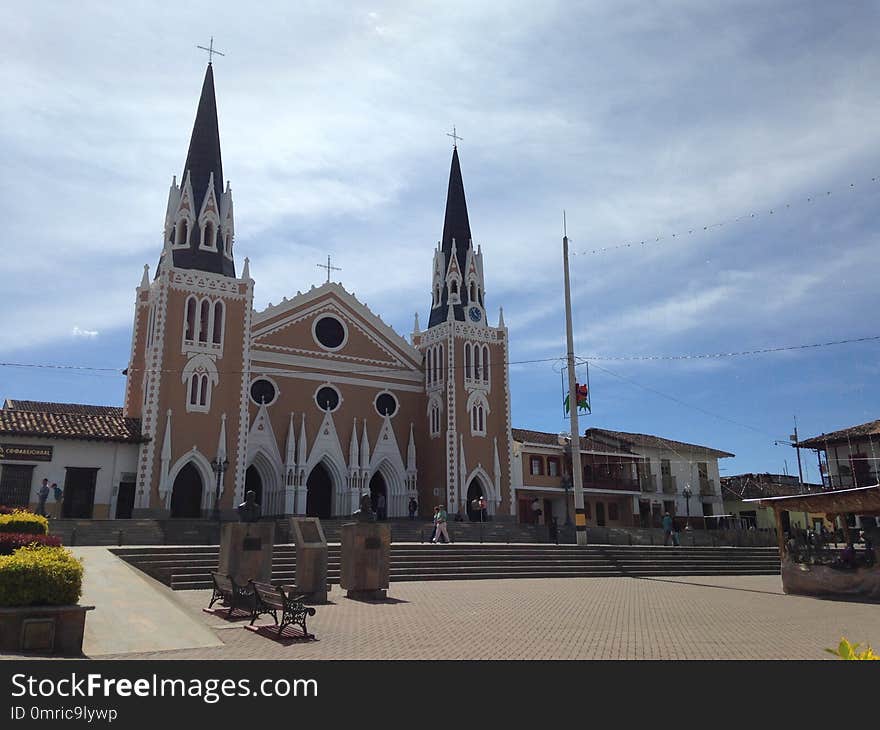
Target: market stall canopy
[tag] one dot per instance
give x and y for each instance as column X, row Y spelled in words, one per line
column 859, row 500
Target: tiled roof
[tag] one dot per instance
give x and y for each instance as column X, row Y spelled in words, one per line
column 756, row 486
column 871, row 428
column 656, row 442
column 68, row 421
column 588, row 441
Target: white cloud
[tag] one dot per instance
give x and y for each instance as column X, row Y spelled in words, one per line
column 88, row 334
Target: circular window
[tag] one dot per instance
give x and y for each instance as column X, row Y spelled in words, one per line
column 386, row 404
column 330, row 333
column 263, row 391
column 327, row 398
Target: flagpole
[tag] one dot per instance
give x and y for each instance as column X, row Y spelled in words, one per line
column 580, row 518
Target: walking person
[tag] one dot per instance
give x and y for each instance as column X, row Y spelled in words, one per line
column 58, row 493
column 42, row 496
column 434, row 524
column 667, row 528
column 413, row 508
column 440, row 522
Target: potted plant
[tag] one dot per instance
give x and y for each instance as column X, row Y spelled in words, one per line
column 40, row 585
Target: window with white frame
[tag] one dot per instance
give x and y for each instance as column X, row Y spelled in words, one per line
column 189, row 323
column 204, row 319
column 200, row 376
column 209, row 235
column 217, row 324
column 434, row 418
column 485, row 363
column 479, row 411
column 536, row 466
column 467, row 360
column 181, row 236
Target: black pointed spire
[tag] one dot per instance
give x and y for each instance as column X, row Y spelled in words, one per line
column 456, row 242
column 203, row 156
column 203, row 161
column 456, row 225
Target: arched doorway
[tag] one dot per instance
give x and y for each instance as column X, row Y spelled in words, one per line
column 377, row 487
column 253, row 482
column 186, row 495
column 475, row 491
column 319, row 492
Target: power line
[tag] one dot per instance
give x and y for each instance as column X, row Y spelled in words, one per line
column 739, row 353
column 678, row 400
column 85, row 369
column 719, row 224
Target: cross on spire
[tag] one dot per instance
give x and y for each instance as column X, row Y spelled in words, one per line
column 210, row 50
column 328, row 267
column 455, row 138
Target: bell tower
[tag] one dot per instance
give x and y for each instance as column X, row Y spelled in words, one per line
column 466, row 374
column 188, row 378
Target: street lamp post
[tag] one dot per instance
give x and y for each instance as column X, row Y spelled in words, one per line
column 687, row 498
column 219, row 467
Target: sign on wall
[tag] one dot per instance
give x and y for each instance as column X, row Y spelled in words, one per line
column 24, row 452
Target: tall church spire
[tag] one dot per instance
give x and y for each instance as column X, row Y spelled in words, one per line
column 203, row 156
column 199, row 222
column 456, row 265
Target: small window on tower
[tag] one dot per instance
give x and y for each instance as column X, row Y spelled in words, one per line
column 182, row 233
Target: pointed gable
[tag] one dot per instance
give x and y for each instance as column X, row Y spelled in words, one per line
column 290, row 328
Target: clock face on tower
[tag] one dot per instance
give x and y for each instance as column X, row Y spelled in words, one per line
column 475, row 314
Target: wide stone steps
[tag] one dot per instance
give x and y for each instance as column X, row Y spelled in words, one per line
column 184, row 567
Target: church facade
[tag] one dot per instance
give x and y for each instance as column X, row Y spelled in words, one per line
column 313, row 401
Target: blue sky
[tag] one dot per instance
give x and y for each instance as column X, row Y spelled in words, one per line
column 641, row 120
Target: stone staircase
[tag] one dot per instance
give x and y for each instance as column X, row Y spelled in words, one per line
column 206, row 532
column 189, row 567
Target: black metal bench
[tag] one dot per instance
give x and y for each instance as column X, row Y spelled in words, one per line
column 272, row 599
column 236, row 597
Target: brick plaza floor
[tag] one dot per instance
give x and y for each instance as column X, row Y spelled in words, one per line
column 745, row 617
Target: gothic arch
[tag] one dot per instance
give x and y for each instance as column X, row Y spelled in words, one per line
column 488, row 485
column 203, row 466
column 339, row 483
column 270, row 475
column 395, row 483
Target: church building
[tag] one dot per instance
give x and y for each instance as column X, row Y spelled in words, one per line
column 315, row 400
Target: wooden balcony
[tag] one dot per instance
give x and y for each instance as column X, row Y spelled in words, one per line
column 669, row 485
column 648, row 482
column 707, row 488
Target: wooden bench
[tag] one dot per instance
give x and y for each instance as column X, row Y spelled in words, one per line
column 272, row 599
column 236, row 597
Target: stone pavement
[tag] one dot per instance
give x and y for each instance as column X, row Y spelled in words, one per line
column 743, row 617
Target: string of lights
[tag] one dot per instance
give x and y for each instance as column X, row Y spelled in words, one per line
column 718, row 224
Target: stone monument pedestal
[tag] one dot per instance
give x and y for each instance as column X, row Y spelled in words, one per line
column 311, row 559
column 366, row 553
column 246, row 551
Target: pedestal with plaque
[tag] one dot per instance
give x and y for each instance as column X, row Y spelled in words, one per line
column 246, row 551
column 311, row 559
column 366, row 553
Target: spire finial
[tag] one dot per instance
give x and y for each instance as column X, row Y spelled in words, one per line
column 211, row 51
column 455, row 138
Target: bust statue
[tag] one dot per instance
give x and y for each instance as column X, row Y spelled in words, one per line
column 249, row 510
column 365, row 513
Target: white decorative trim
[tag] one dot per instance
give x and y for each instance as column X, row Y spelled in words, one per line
column 357, row 308
column 339, row 380
column 241, row 451
column 199, row 282
column 356, row 364
column 204, row 367
column 489, row 490
column 201, row 463
column 326, row 449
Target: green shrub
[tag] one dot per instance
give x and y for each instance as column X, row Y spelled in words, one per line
column 26, row 522
column 38, row 576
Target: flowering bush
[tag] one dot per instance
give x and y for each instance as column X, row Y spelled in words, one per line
column 40, row 576
column 11, row 541
column 24, row 521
